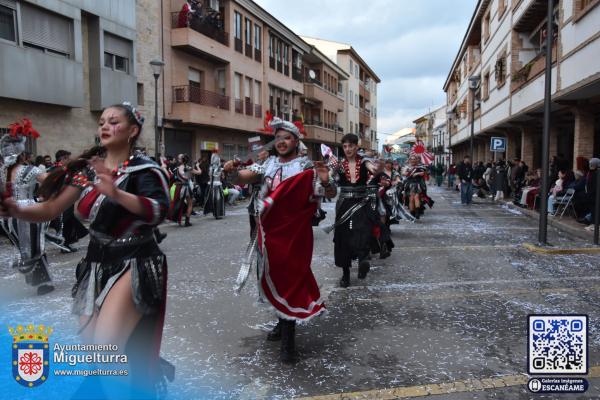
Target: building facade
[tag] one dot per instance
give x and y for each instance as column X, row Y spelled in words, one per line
column 225, row 69
column 63, row 61
column 359, row 91
column 503, row 51
column 431, row 130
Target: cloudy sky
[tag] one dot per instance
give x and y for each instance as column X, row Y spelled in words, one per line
column 409, row 44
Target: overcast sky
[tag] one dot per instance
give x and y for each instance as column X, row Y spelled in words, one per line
column 409, row 44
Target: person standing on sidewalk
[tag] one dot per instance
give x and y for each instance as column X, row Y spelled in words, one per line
column 465, row 174
column 501, row 180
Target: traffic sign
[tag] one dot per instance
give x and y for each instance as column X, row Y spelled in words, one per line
column 498, row 144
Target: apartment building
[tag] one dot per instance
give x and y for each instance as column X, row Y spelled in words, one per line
column 63, row 61
column 225, row 68
column 322, row 102
column 359, row 91
column 500, row 65
column 431, row 130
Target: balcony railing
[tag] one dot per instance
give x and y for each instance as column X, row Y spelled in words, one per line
column 257, row 110
column 239, row 46
column 239, row 106
column 191, row 94
column 272, row 62
column 208, row 25
column 279, row 66
column 257, row 55
column 248, row 50
column 249, row 107
column 286, row 70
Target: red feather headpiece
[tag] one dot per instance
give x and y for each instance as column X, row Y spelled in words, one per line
column 23, row 128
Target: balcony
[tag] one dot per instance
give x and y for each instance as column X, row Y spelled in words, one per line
column 258, row 111
column 317, row 132
column 238, row 45
column 249, row 107
column 531, row 70
column 191, row 94
column 257, row 55
column 315, row 91
column 364, row 91
column 364, row 117
column 207, row 25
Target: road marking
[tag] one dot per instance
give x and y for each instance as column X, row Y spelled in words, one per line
column 464, row 386
column 436, row 285
column 544, row 250
column 466, row 247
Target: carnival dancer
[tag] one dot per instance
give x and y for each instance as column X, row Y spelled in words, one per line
column 291, row 188
column 215, row 201
column 120, row 289
column 181, row 191
column 19, row 180
column 69, row 228
column 414, row 185
column 355, row 210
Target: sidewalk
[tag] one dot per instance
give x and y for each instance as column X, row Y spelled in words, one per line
column 565, row 224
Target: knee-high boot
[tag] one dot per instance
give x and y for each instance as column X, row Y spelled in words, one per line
column 288, row 341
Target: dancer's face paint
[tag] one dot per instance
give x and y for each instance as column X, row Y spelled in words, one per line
column 350, row 149
column 285, row 143
column 113, row 128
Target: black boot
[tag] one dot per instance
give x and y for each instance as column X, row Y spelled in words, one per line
column 385, row 251
column 44, row 289
column 187, row 221
column 288, row 353
column 275, row 334
column 363, row 268
column 345, row 281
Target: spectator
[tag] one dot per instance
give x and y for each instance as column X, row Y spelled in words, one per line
column 559, row 189
column 584, row 202
column 451, row 175
column 465, row 174
column 501, row 185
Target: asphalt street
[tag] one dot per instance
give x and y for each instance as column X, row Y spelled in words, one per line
column 447, row 309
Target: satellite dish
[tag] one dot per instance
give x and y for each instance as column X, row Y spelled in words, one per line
column 311, row 74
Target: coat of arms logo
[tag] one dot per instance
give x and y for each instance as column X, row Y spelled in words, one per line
column 30, row 354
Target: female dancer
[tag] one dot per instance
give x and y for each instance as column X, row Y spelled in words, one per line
column 415, row 184
column 19, row 180
column 182, row 199
column 120, row 293
column 215, row 202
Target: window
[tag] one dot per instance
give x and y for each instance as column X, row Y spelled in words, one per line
column 485, row 86
column 351, row 66
column 340, row 88
column 356, row 71
column 355, row 127
column 214, row 4
column 237, row 86
column 257, row 91
column 486, row 27
column 582, row 7
column 117, row 52
column 8, row 22
column 356, row 100
column 140, row 94
column 238, row 25
column 248, row 32
column 228, row 151
column 351, row 98
column 195, row 78
column 257, row 37
column 501, row 8
column 46, row 31
column 500, row 69
column 221, row 82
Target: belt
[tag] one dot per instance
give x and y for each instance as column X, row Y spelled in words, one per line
column 107, row 240
column 360, row 192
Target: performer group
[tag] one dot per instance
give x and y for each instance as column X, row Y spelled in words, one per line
column 119, row 196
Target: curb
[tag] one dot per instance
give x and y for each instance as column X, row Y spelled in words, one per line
column 544, row 250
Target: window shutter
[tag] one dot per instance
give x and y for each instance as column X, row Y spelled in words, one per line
column 193, row 75
column 116, row 45
column 46, row 29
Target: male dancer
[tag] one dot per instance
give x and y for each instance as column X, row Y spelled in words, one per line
column 356, row 210
column 291, row 188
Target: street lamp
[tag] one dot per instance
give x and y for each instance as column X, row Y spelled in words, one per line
column 157, row 67
column 473, row 86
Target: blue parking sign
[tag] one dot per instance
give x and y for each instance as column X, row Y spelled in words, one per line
column 498, row 144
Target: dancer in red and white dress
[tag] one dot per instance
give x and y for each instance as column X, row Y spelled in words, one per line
column 292, row 187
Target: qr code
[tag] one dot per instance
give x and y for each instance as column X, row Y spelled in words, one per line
column 557, row 344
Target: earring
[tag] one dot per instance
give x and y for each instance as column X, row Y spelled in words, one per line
column 129, row 140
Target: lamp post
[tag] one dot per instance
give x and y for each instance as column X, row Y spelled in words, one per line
column 543, row 227
column 473, row 86
column 157, row 67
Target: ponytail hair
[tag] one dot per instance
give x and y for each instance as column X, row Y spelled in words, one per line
column 56, row 180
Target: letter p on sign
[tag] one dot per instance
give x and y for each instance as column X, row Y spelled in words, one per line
column 498, row 144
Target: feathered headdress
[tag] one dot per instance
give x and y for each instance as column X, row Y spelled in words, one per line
column 23, row 128
column 12, row 144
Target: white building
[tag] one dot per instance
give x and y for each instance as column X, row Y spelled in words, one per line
column 360, row 91
column 504, row 47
